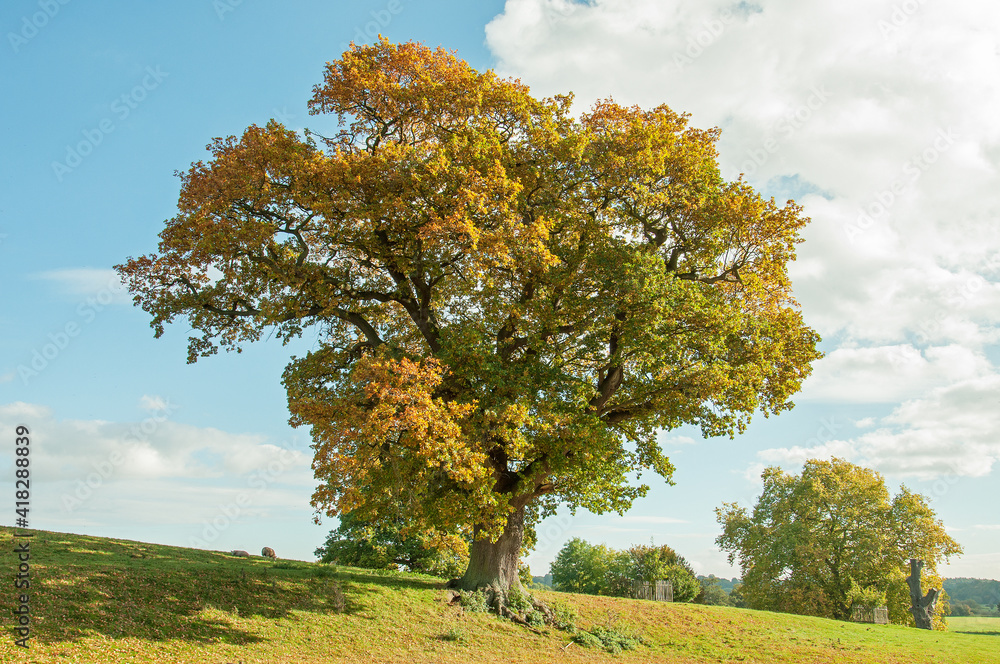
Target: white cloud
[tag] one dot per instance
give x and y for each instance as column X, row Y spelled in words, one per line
column 677, row 440
column 889, row 374
column 796, row 456
column 887, row 129
column 20, row 412
column 153, row 449
column 899, row 123
column 753, row 471
column 948, row 432
column 650, row 519
column 101, row 284
column 154, row 404
column 196, row 486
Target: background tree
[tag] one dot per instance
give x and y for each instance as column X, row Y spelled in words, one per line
column 972, row 596
column 650, row 563
column 814, row 536
column 962, row 609
column 736, row 597
column 712, row 593
column 508, row 301
column 359, row 544
column 581, row 567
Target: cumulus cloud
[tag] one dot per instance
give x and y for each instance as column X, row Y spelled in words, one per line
column 155, row 469
column 883, row 124
column 950, row 431
column 889, row 374
column 675, row 440
column 154, row 403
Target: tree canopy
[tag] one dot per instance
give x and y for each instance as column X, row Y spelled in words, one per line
column 816, row 542
column 712, row 592
column 509, row 301
column 648, row 562
column 582, row 567
column 359, row 544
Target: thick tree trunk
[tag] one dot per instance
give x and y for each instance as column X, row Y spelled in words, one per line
column 495, row 563
column 922, row 605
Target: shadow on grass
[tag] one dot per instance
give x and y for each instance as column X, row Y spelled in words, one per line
column 199, row 604
column 85, row 586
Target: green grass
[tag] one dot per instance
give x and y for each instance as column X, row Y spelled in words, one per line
column 103, row 600
column 975, row 625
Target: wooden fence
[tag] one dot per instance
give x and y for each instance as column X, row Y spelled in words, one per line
column 878, row 615
column 662, row 591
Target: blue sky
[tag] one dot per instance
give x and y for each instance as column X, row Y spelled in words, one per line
column 881, row 118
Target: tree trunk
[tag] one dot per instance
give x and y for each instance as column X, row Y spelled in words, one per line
column 922, row 606
column 495, row 563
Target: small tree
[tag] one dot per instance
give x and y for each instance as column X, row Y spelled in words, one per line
column 360, row 544
column 581, row 567
column 868, row 597
column 711, row 593
column 736, row 596
column 650, row 563
column 599, row 570
column 814, row 536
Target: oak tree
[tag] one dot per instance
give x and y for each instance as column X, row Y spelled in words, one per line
column 510, row 300
column 816, row 541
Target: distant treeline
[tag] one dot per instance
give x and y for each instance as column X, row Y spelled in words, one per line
column 543, row 580
column 725, row 584
column 968, row 597
column 973, row 597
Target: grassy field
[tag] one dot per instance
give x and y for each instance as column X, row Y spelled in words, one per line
column 101, row 600
column 975, row 626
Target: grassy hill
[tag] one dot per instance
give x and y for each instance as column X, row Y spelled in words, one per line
column 104, row 600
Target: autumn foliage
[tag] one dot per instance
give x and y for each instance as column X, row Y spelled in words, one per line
column 511, row 300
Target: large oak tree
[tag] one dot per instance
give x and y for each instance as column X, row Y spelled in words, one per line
column 511, row 300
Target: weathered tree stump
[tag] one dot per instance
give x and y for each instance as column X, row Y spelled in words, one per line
column 922, row 606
